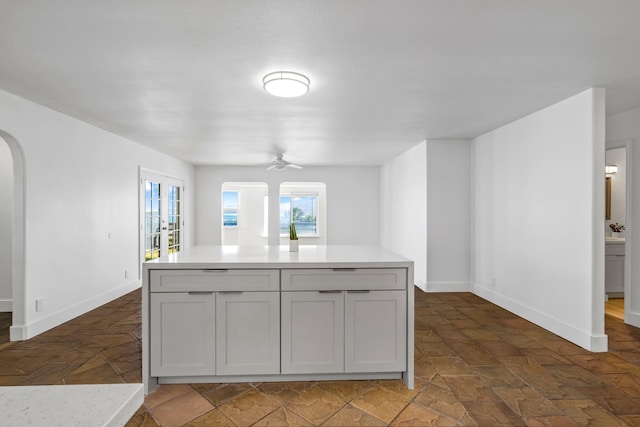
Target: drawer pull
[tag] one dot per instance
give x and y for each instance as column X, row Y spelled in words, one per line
column 329, row 292
column 359, row 292
column 229, row 292
column 215, row 270
column 200, row 292
column 345, row 269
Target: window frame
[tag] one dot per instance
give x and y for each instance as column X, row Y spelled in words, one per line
column 293, row 194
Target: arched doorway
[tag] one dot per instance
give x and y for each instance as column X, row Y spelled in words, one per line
column 17, row 236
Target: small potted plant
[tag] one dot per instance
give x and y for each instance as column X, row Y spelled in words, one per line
column 293, row 238
column 616, row 229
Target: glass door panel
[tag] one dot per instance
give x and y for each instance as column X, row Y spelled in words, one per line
column 175, row 218
column 152, row 218
column 162, row 217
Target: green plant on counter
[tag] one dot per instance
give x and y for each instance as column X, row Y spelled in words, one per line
column 292, row 232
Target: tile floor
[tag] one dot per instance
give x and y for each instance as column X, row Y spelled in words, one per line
column 476, row 365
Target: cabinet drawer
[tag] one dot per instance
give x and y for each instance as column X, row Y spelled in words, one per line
column 344, row 279
column 614, row 249
column 214, row 280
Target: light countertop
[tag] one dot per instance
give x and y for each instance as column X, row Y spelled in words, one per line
column 69, row 405
column 615, row 240
column 308, row 256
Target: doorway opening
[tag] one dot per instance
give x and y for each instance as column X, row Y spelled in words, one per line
column 12, row 231
column 618, row 231
column 6, row 223
column 245, row 220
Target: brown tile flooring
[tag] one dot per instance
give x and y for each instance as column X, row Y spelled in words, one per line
column 476, row 365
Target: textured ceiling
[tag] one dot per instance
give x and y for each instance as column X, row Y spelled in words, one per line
column 184, row 77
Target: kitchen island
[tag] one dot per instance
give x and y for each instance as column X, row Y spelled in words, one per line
column 255, row 314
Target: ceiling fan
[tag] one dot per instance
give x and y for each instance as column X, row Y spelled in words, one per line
column 280, row 164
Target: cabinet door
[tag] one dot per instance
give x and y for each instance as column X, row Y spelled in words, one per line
column 614, row 273
column 312, row 332
column 248, row 333
column 375, row 331
column 182, row 335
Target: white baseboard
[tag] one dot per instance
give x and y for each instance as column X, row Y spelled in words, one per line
column 6, row 305
column 632, row 318
column 421, row 284
column 595, row 343
column 30, row 330
column 448, row 287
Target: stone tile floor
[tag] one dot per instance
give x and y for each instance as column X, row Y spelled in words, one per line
column 476, row 365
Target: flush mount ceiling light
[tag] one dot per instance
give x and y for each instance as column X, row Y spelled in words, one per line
column 286, row 84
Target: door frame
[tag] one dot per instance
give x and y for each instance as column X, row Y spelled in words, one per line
column 164, row 179
column 630, row 317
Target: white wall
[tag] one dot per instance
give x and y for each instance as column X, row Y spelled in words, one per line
column 81, row 186
column 621, row 127
column 618, row 157
column 6, row 206
column 538, row 218
column 448, row 215
column 403, row 208
column 352, row 208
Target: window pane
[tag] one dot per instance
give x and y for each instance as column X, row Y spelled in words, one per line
column 230, row 218
column 285, row 214
column 230, row 200
column 155, row 190
column 304, row 212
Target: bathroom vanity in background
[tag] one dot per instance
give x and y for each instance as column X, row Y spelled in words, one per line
column 614, row 267
column 249, row 314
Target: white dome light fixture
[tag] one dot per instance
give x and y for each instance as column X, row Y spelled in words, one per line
column 286, row 84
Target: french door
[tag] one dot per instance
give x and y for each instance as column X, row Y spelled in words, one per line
column 161, row 215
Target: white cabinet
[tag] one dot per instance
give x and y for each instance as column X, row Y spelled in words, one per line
column 252, row 323
column 248, row 333
column 375, row 331
column 312, row 332
column 355, row 323
column 183, row 335
column 214, row 322
column 614, row 269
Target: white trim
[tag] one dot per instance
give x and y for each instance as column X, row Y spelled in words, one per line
column 421, row 284
column 449, row 287
column 24, row 332
column 6, row 305
column 595, row 343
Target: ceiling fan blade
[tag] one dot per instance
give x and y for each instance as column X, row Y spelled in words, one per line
column 271, row 167
column 291, row 165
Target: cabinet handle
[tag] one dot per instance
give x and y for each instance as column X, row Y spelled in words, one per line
column 229, row 292
column 200, row 292
column 344, row 269
column 215, row 270
column 329, row 292
column 359, row 292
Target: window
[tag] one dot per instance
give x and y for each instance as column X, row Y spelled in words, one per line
column 301, row 210
column 230, row 208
